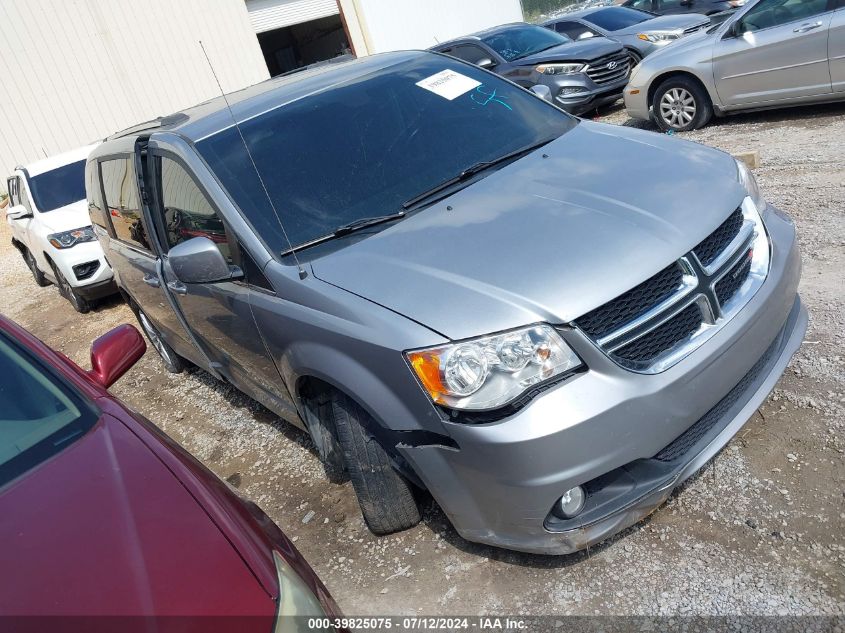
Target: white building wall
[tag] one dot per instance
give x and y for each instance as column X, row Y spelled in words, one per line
column 386, row 25
column 75, row 71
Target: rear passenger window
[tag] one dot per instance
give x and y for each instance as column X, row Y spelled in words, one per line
column 92, row 186
column 186, row 211
column 122, row 202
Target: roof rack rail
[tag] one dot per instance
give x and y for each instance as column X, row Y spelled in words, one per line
column 153, row 124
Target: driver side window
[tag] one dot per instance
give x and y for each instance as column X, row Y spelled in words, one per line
column 185, row 212
column 771, row 13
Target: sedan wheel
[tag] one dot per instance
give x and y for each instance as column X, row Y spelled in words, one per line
column 680, row 104
column 678, row 108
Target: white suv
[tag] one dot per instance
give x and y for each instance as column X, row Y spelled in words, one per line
column 48, row 216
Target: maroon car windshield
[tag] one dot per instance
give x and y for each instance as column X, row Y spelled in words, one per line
column 39, row 416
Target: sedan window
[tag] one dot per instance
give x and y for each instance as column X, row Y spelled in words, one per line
column 38, row 415
column 617, row 18
column 769, row 13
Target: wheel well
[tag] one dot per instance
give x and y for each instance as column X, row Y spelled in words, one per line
column 652, row 89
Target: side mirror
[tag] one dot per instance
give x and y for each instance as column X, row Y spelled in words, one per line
column 585, row 35
column 199, row 261
column 543, row 92
column 114, row 353
column 18, row 212
column 485, row 62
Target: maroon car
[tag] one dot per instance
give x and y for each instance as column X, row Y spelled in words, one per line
column 104, row 520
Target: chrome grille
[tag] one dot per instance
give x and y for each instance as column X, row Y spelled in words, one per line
column 656, row 324
column 709, row 248
column 609, row 68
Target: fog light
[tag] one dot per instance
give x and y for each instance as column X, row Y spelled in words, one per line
column 572, row 502
column 566, row 92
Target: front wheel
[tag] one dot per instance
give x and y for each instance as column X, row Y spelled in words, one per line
column 79, row 303
column 173, row 363
column 386, row 498
column 681, row 104
column 39, row 277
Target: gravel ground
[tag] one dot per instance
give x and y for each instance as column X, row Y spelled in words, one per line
column 759, row 531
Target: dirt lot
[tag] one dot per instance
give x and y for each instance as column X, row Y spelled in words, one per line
column 758, row 531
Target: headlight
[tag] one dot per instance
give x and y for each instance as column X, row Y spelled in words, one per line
column 659, row 37
column 67, row 239
column 747, row 179
column 560, row 69
column 295, row 599
column 488, row 372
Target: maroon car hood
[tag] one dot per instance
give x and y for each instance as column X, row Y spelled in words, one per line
column 104, row 528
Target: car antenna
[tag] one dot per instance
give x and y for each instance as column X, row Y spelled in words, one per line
column 302, row 273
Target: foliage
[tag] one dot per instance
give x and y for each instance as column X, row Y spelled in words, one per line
column 533, row 10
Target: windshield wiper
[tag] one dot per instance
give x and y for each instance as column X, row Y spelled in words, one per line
column 362, row 223
column 471, row 171
column 346, row 229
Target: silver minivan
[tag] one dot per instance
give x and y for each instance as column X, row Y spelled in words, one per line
column 769, row 54
column 454, row 286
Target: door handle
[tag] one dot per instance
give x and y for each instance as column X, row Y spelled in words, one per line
column 152, row 280
column 807, row 27
column 177, row 287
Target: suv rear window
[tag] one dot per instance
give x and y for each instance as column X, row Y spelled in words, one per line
column 58, row 187
column 364, row 147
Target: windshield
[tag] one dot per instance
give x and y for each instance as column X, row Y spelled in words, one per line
column 617, row 18
column 364, row 147
column 58, row 187
column 517, row 42
column 38, row 417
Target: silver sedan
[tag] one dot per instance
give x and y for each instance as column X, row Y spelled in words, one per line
column 769, row 54
column 641, row 32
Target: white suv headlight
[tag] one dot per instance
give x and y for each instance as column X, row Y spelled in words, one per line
column 68, row 239
column 747, row 179
column 491, row 371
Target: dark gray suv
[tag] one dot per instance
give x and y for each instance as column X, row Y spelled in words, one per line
column 453, row 285
column 580, row 76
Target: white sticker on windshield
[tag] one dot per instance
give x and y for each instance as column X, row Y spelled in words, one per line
column 448, row 84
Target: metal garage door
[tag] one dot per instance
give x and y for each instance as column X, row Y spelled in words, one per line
column 267, row 15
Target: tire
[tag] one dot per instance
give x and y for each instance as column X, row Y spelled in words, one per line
column 386, row 498
column 79, row 303
column 320, row 422
column 681, row 104
column 172, row 362
column 40, row 279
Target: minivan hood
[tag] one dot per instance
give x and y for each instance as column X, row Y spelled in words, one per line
column 67, row 218
column 548, row 237
column 665, row 23
column 583, row 50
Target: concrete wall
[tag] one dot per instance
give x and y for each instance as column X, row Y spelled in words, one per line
column 376, row 26
column 74, row 71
